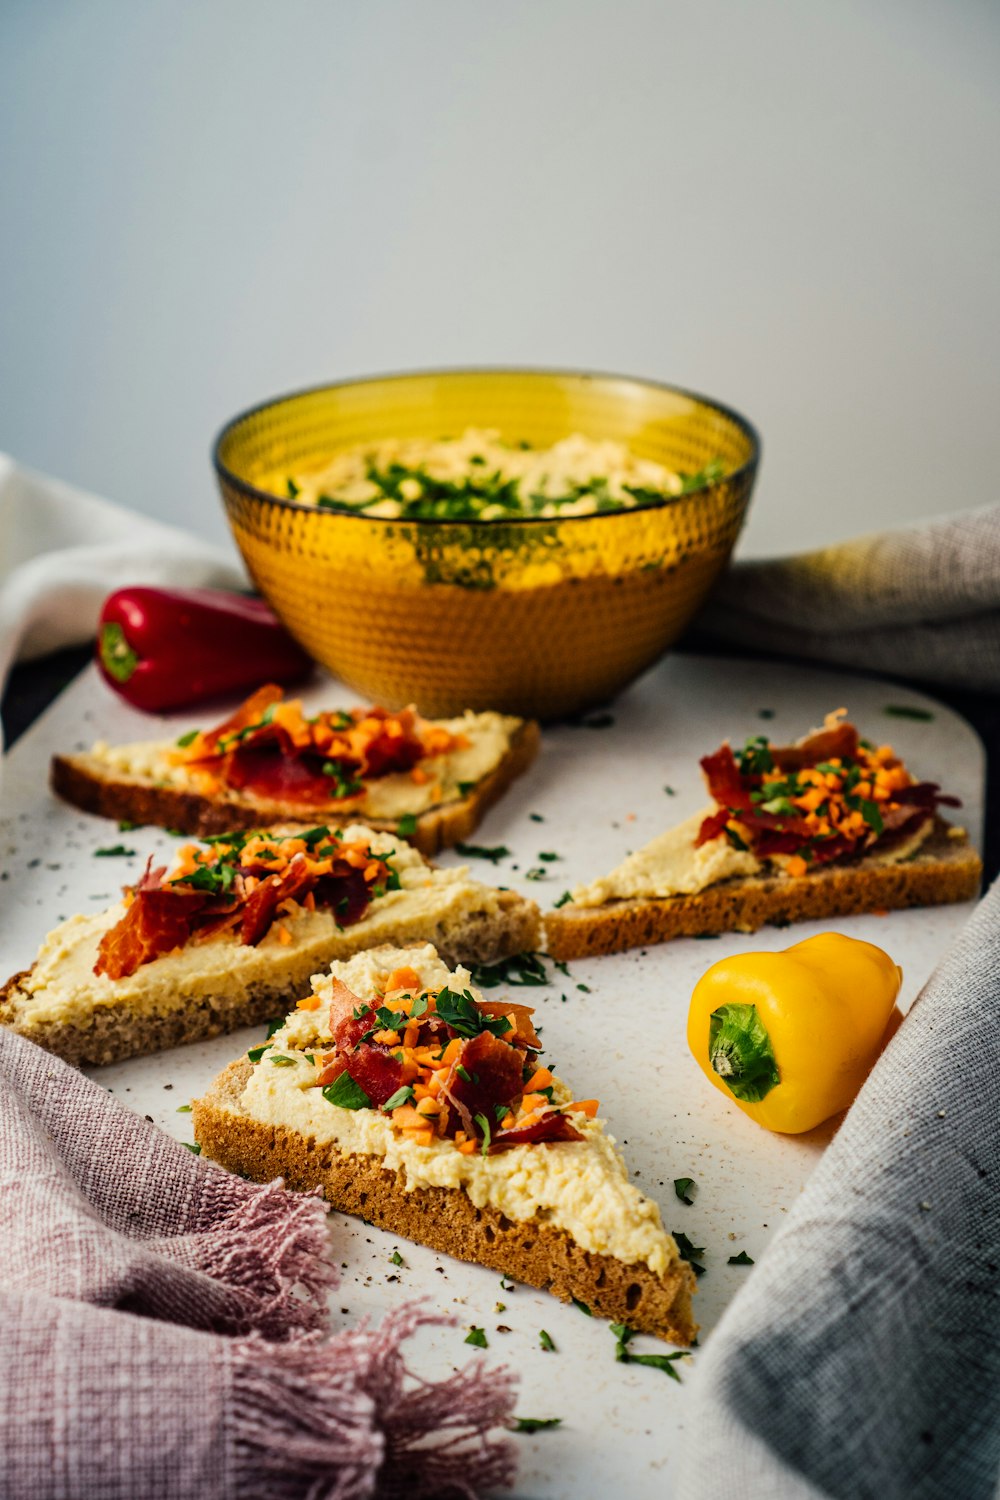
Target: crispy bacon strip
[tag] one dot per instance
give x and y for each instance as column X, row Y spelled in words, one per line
column 344, row 1002
column 271, row 768
column 156, row 922
column 248, row 713
column 385, row 751
column 484, row 1079
column 826, row 744
column 790, row 833
column 524, row 1031
column 733, row 795
column 370, row 1064
column 376, row 1070
column 551, row 1127
column 271, row 762
column 163, row 916
column 494, row 1068
column 264, row 900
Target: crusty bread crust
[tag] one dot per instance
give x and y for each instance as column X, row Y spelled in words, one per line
column 443, row 1218
column 84, row 781
column 945, row 869
column 113, row 1032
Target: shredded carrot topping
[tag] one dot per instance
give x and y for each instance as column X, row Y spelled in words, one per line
column 445, row 1066
column 830, row 796
column 271, row 745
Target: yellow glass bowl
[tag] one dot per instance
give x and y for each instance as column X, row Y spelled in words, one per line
column 532, row 616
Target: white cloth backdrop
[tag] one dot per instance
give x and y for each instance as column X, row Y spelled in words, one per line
column 62, row 551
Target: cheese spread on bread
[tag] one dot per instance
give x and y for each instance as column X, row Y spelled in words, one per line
column 62, row 985
column 581, row 1186
column 670, row 865
column 444, row 778
column 673, row 865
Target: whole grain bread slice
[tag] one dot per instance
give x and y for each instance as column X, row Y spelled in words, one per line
column 111, row 1032
column 945, row 869
column 443, row 1218
column 84, row 780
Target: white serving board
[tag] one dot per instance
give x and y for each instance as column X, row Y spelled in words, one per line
column 600, row 793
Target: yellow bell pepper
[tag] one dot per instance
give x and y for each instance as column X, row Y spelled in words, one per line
column 790, row 1037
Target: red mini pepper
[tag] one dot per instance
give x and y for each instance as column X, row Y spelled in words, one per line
column 162, row 649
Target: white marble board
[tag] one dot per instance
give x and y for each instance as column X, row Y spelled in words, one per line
column 615, row 1027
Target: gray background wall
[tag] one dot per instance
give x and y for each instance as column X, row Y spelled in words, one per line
column 791, row 206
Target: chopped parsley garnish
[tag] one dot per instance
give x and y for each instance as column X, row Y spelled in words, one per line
column 125, row 825
column 256, row 1053
column 484, row 1126
column 548, row 857
column 564, row 899
column 463, row 1073
column 735, row 839
column 665, row 1362
column 465, row 787
column 196, row 1149
column 399, row 1097
column 534, row 1424
column 537, row 873
column 477, row 1336
column 342, row 774
column 346, row 1094
column 113, row 851
column 582, row 1306
column 682, row 1187
column 407, row 825
column 690, row 1252
column 280, row 1061
column 520, row 969
column 743, row 1259
column 755, row 758
column 273, row 1026
column 313, row 836
column 670, row 791
column 183, row 1109
column 907, row 711
column 396, row 1259
column 482, row 851
column 536, row 817
column 214, row 879
column 462, row 1014
column 545, row 1339
column 293, row 488
column 187, row 739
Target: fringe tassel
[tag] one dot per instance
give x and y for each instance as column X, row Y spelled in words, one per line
column 268, row 1250
column 344, row 1419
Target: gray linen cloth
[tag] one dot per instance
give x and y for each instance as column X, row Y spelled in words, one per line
column 163, row 1329
column 922, row 601
column 862, row 1359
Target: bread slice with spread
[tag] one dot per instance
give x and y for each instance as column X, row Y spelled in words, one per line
column 422, row 1107
column 830, row 826
column 429, row 781
column 231, row 936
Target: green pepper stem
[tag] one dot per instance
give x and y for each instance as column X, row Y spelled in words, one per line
column 740, row 1052
column 117, row 656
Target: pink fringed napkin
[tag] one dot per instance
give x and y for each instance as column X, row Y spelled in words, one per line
column 163, row 1329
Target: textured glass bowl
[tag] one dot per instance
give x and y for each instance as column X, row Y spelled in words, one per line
column 535, row 616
